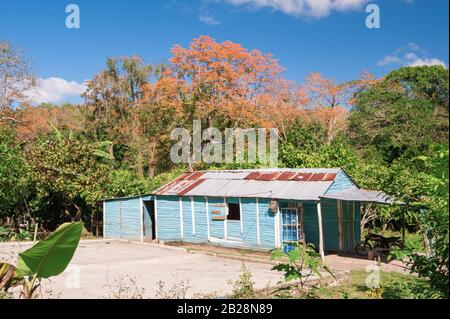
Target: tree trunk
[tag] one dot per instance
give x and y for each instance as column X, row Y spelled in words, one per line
column 139, row 162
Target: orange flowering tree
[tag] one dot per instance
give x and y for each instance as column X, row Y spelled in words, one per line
column 226, row 85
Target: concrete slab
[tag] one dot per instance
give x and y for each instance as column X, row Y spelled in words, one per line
column 107, row 268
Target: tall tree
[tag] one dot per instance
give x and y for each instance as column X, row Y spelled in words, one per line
column 225, row 85
column 111, row 101
column 330, row 101
column 402, row 114
column 15, row 77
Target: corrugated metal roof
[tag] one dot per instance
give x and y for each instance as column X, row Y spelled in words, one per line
column 296, row 184
column 360, row 195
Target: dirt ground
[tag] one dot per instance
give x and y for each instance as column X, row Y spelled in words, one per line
column 120, row 269
column 111, row 269
column 333, row 261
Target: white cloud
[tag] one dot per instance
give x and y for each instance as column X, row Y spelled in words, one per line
column 410, row 55
column 414, row 60
column 55, row 90
column 208, row 19
column 306, row 8
column 389, row 59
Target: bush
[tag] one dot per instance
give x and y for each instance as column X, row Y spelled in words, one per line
column 244, row 287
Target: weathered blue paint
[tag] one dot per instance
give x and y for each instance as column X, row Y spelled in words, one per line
column 266, row 224
column 342, row 181
column 217, row 227
column 249, row 236
column 234, row 226
column 330, row 225
column 310, row 223
column 351, row 219
column 123, row 218
column 201, row 230
column 168, row 221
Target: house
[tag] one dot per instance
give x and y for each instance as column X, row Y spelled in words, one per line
column 257, row 209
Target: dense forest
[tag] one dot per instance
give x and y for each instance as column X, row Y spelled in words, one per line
column 389, row 133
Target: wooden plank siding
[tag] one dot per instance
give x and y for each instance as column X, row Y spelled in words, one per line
column 190, row 219
column 168, row 222
column 123, row 219
column 341, row 182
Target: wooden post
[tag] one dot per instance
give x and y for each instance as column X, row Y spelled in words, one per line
column 319, row 220
column 141, row 213
column 180, row 208
column 156, row 217
column 193, row 216
column 208, row 232
column 257, row 222
column 104, row 220
column 35, row 232
column 340, row 220
column 225, row 221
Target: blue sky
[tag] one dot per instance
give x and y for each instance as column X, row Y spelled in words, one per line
column 327, row 36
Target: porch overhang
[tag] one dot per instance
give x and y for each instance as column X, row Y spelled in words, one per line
column 360, row 195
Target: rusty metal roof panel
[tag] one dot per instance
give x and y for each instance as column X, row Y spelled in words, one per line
column 195, row 175
column 268, row 176
column 224, row 175
column 175, row 187
column 286, row 176
column 253, row 175
column 301, row 184
column 210, row 187
column 316, row 177
column 302, row 176
column 329, row 177
column 262, row 189
column 192, row 186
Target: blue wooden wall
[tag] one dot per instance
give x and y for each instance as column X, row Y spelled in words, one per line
column 123, row 218
column 341, row 182
column 168, row 221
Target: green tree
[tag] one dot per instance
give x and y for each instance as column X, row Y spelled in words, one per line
column 401, row 115
column 14, row 182
column 69, row 180
column 433, row 219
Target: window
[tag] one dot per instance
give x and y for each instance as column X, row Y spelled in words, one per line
column 234, row 212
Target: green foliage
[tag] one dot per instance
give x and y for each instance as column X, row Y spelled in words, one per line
column 393, row 285
column 403, row 113
column 68, row 178
column 434, row 221
column 396, row 287
column 126, row 183
column 302, row 262
column 336, row 154
column 244, row 286
column 9, row 234
column 14, row 181
column 49, row 257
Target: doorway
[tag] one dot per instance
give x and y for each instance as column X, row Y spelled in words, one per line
column 149, row 220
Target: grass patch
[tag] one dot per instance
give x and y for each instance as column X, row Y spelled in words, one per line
column 393, row 286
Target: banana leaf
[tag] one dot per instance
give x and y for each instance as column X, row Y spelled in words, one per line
column 9, row 276
column 50, row 257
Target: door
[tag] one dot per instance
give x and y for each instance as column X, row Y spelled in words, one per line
column 217, row 218
column 149, row 220
column 347, row 239
column 292, row 227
